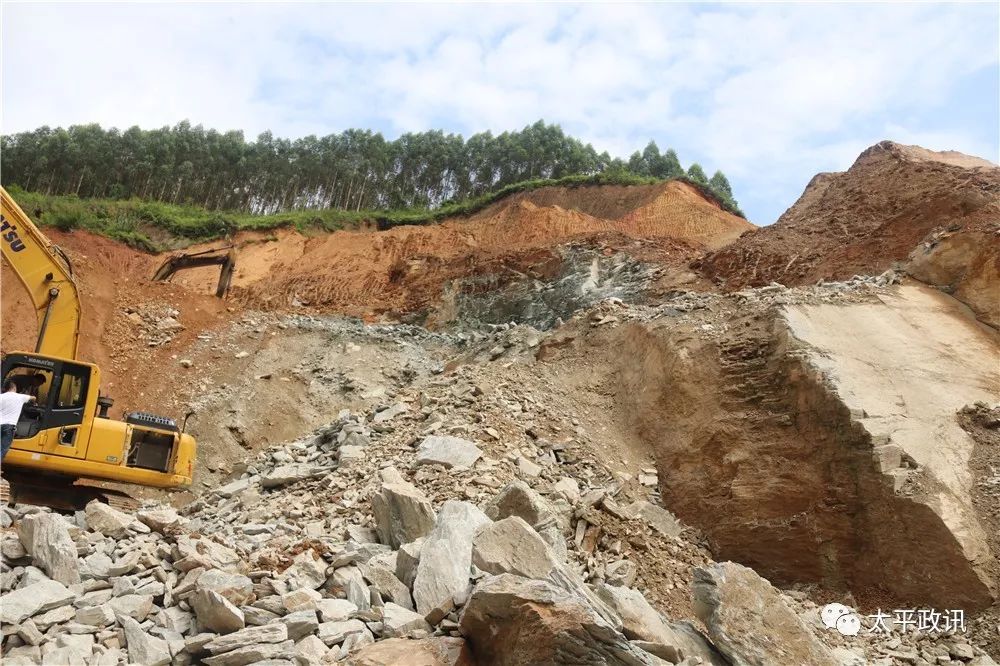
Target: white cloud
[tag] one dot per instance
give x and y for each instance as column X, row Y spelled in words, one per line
column 769, row 93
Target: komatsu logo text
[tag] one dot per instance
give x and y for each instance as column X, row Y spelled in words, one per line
column 9, row 233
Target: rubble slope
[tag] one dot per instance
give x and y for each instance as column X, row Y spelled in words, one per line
column 865, row 219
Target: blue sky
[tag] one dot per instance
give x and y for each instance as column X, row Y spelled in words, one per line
column 769, row 93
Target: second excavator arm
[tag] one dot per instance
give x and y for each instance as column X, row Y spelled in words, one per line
column 46, row 273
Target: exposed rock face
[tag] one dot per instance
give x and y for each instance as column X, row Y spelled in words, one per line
column 965, row 263
column 514, row 620
column 750, row 623
column 446, row 557
column 836, row 426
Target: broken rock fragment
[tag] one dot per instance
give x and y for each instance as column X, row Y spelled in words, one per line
column 402, row 514
column 142, row 647
column 448, row 451
column 46, row 538
column 510, row 620
column 749, row 622
column 446, row 557
column 437, row 651
column 39, row 597
column 216, row 613
column 518, row 499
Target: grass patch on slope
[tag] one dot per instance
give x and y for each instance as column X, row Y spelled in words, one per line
column 135, row 222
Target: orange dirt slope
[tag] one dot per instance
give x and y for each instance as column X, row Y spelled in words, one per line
column 406, row 269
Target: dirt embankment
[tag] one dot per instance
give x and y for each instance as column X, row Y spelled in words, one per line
column 407, row 269
column 864, row 220
column 819, row 443
column 114, row 284
column 131, row 324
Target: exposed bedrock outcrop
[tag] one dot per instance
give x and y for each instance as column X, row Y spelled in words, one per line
column 820, row 443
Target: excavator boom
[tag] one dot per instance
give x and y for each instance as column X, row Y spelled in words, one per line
column 65, row 436
column 47, row 275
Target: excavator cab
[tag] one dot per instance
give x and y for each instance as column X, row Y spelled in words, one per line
column 66, row 432
column 67, row 429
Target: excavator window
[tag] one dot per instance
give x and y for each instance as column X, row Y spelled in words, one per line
column 73, row 389
column 60, row 391
column 32, row 381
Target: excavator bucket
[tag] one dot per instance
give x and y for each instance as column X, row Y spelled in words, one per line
column 224, row 256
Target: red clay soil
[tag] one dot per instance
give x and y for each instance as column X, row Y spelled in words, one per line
column 863, row 220
column 113, row 279
column 406, row 269
column 362, row 273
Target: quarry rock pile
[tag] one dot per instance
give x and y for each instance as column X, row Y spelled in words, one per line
column 557, row 469
column 413, row 533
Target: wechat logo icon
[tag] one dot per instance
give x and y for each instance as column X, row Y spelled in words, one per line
column 842, row 618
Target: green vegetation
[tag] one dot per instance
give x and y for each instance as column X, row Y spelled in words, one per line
column 137, row 222
column 158, row 188
column 356, row 170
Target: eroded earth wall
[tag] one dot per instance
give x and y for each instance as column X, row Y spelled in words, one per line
column 819, row 443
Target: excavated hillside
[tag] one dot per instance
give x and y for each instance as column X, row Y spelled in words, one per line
column 539, row 436
column 419, row 271
column 936, row 212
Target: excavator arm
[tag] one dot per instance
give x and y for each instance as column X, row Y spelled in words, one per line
column 46, row 273
column 222, row 256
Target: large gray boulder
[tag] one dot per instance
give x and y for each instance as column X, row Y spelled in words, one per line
column 446, row 557
column 448, row 451
column 749, row 622
column 216, row 613
column 45, row 595
column 402, row 514
column 518, row 499
column 237, row 588
column 46, row 538
column 512, row 546
column 142, row 647
column 510, row 621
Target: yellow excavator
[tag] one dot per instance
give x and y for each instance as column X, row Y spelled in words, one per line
column 65, row 437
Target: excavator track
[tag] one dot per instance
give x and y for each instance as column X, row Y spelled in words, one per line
column 61, row 493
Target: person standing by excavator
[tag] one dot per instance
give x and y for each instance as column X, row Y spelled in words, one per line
column 11, row 403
